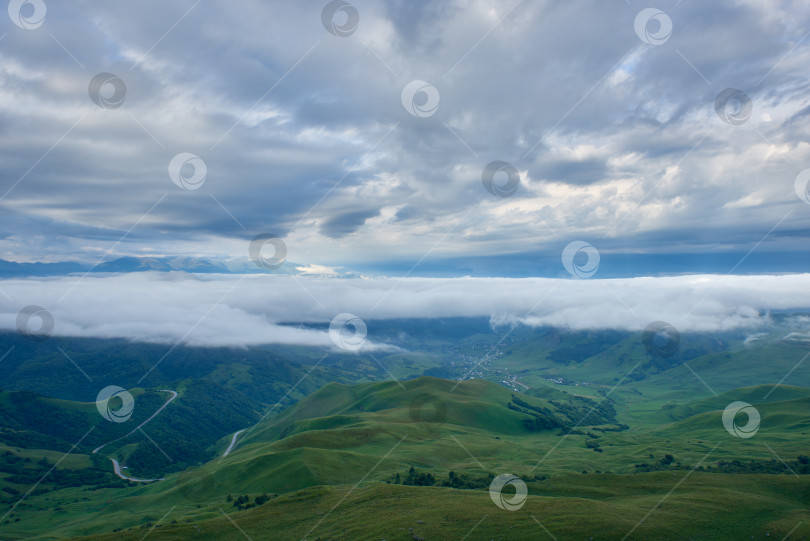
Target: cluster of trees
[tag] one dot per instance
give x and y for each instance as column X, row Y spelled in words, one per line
column 580, row 410
column 454, row 480
column 541, row 418
column 464, row 481
column 415, row 479
column 664, row 463
column 243, row 502
column 799, row 466
column 620, row 427
column 587, row 412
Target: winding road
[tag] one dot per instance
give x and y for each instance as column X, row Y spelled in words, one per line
column 116, row 465
column 233, row 442
column 174, row 395
column 117, row 468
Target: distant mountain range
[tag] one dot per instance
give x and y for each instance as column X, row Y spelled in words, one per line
column 520, row 265
column 236, row 265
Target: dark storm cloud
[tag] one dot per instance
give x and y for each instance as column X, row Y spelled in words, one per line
column 572, row 171
column 342, row 224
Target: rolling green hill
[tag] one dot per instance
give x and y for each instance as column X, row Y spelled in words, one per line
column 415, row 405
column 598, row 507
column 544, row 405
column 343, row 446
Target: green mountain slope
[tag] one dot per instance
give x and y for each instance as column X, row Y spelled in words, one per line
column 414, row 406
column 307, row 459
column 604, row 507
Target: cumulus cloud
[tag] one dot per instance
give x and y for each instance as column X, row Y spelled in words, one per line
column 216, row 310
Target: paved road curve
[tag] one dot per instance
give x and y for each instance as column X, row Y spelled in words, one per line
column 174, row 395
column 117, row 468
column 116, row 465
column 233, row 442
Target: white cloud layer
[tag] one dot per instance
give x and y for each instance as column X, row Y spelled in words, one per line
column 227, row 310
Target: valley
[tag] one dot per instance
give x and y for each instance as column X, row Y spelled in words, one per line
column 610, row 440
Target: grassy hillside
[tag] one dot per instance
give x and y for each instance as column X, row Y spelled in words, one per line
column 415, row 405
column 544, row 405
column 32, row 421
column 595, row 507
column 307, row 459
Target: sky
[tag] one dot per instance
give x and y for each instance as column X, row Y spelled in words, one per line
column 381, row 145
column 359, row 133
